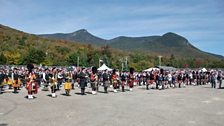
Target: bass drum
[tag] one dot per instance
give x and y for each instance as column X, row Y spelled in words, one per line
column 67, row 87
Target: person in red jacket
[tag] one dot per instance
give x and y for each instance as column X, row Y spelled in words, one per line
column 32, row 86
column 94, row 80
column 114, row 79
column 131, row 79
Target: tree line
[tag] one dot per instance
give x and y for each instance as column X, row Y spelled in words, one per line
column 21, row 49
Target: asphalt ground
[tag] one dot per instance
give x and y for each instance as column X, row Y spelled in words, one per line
column 190, row 106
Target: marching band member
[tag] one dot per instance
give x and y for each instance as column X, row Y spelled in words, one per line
column 32, row 86
column 114, row 79
column 45, row 75
column 74, row 79
column 152, row 79
column 94, row 80
column 147, row 81
column 16, row 82
column 59, row 79
column 105, row 80
column 9, row 82
column 179, row 78
column 170, row 80
column 123, row 80
column 219, row 78
column 131, row 79
column 52, row 85
column 67, row 86
column 82, row 81
column 2, row 77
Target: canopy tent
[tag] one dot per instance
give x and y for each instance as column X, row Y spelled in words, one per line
column 151, row 69
column 203, row 70
column 169, row 68
column 104, row 67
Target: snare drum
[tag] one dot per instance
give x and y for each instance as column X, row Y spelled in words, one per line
column 67, row 86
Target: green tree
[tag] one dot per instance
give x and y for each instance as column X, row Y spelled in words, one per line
column 3, row 59
column 72, row 59
column 12, row 57
column 22, row 41
column 106, row 50
column 35, row 56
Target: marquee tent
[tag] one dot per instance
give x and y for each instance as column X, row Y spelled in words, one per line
column 104, row 67
column 150, row 69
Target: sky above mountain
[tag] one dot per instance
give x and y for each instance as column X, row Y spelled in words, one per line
column 200, row 21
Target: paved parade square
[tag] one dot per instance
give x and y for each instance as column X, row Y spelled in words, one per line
column 190, row 106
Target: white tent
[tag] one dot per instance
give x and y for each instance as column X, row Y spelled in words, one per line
column 104, row 67
column 203, row 70
column 150, row 69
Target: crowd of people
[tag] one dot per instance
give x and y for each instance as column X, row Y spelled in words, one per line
column 55, row 78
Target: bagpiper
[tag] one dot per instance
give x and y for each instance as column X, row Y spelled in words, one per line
column 94, row 80
column 2, row 78
column 114, row 79
column 82, row 81
column 67, row 86
column 123, row 80
column 16, row 81
column 105, row 80
column 131, row 79
column 32, row 86
column 180, row 78
column 52, row 85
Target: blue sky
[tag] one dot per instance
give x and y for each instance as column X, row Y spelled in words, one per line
column 200, row 21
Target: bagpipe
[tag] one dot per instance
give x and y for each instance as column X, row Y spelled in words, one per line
column 94, row 78
column 53, row 82
column 32, row 86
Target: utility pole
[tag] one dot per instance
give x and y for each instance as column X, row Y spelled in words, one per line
column 78, row 61
column 122, row 66
column 122, row 63
column 160, row 60
column 126, row 62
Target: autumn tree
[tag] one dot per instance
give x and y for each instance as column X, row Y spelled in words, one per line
column 3, row 59
column 35, row 56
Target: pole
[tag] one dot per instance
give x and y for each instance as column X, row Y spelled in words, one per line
column 122, row 66
column 99, row 62
column 126, row 62
column 160, row 60
column 78, row 61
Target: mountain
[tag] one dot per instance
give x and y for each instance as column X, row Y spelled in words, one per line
column 81, row 35
column 166, row 45
column 19, row 48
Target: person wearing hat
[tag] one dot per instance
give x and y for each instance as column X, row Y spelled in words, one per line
column 105, row 80
column 123, row 80
column 32, row 86
column 45, row 76
column 2, row 77
column 94, row 80
column 114, row 79
column 131, row 79
column 67, row 86
column 52, row 83
column 179, row 79
column 9, row 79
column 219, row 79
column 82, row 80
column 59, row 79
column 16, row 83
column 213, row 80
